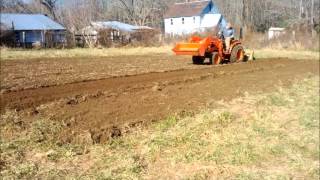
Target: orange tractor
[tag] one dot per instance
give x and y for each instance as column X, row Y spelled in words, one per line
column 212, row 48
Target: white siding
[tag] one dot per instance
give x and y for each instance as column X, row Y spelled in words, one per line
column 191, row 24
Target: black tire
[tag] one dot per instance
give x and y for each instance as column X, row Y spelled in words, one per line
column 209, row 56
column 237, row 54
column 215, row 60
column 197, row 59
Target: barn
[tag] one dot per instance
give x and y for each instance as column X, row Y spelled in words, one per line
column 27, row 30
column 192, row 16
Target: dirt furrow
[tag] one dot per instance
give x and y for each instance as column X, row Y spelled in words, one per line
column 102, row 106
column 34, row 97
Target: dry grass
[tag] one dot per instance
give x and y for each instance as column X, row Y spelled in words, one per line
column 282, row 53
column 267, row 136
column 7, row 54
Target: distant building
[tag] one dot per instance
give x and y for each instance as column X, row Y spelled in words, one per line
column 192, row 16
column 27, row 30
column 108, row 32
column 275, row 32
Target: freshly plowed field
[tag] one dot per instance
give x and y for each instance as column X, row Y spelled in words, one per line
column 104, row 96
column 26, row 74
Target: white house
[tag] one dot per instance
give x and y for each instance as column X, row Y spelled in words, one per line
column 192, row 16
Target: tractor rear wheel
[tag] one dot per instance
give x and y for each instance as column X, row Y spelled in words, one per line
column 198, row 59
column 216, row 59
column 237, row 54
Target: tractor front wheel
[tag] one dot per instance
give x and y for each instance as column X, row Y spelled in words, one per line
column 237, row 54
column 216, row 59
column 198, row 59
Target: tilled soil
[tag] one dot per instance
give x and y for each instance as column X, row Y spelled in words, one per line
column 107, row 106
column 36, row 73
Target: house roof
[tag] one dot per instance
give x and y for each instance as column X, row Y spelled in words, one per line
column 29, row 22
column 118, row 25
column 193, row 8
column 211, row 20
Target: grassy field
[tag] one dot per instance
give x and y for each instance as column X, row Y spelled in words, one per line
column 262, row 136
column 291, row 54
column 7, row 54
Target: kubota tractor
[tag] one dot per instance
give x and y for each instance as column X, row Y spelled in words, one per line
column 212, row 48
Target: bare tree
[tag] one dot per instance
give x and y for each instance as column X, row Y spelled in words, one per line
column 257, row 15
column 51, row 7
column 142, row 12
column 13, row 6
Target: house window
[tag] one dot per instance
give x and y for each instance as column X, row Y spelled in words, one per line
column 182, row 20
column 194, row 20
column 171, row 21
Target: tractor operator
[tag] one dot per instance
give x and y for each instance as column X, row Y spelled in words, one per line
column 228, row 34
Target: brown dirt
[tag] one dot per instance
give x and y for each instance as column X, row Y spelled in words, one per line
column 105, row 107
column 28, row 74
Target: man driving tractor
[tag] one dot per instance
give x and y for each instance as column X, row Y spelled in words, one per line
column 218, row 49
column 228, row 34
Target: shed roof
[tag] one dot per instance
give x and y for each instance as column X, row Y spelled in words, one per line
column 118, row 25
column 193, row 8
column 276, row 29
column 29, row 22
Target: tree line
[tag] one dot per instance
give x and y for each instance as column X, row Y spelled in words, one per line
column 257, row 15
